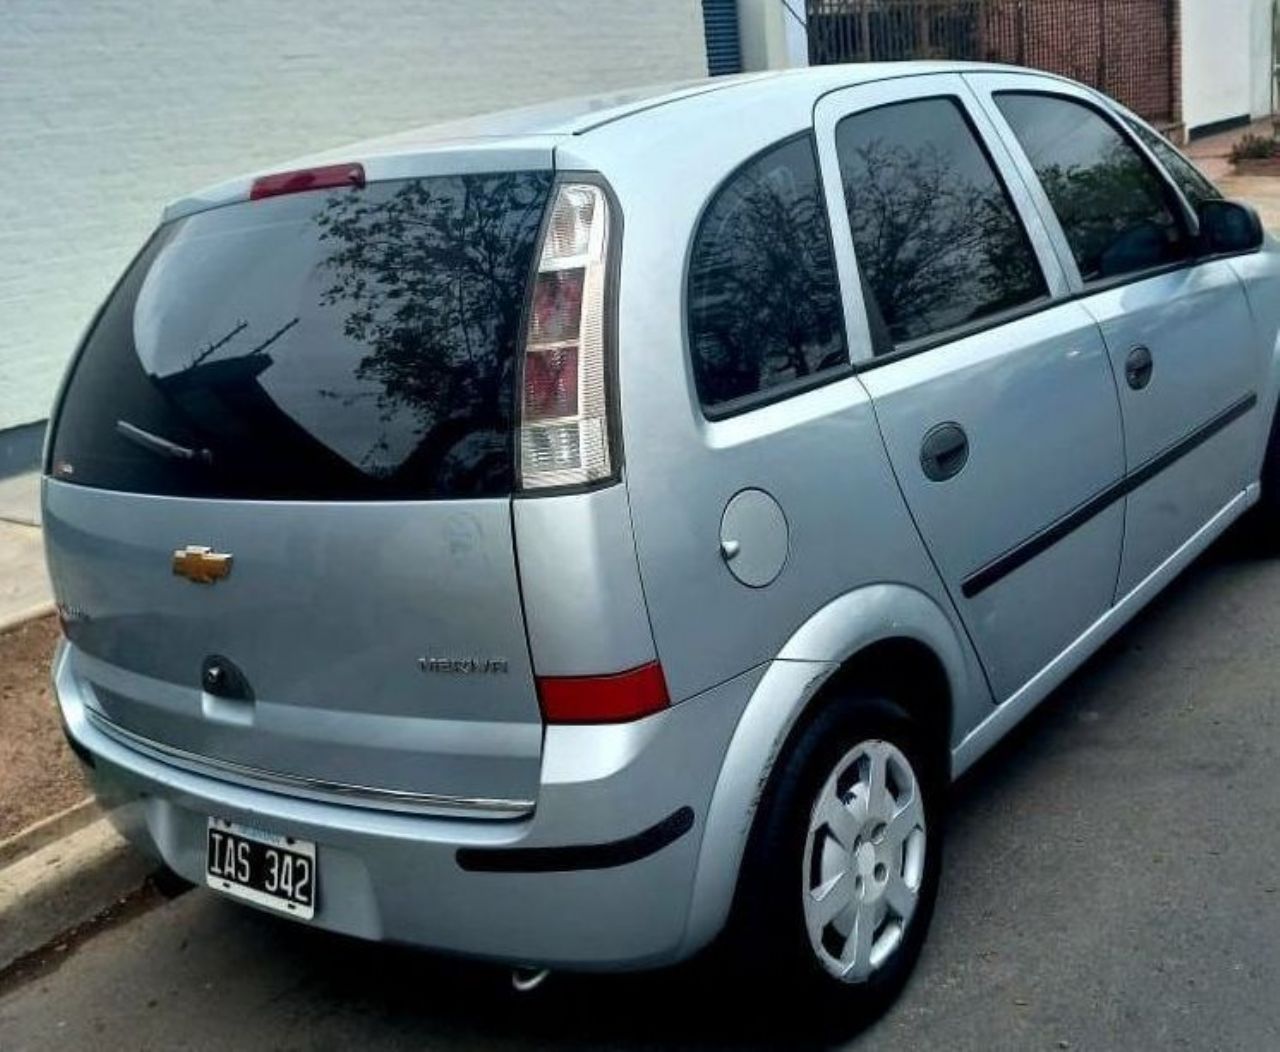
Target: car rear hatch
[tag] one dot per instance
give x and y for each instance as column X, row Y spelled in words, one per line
column 278, row 494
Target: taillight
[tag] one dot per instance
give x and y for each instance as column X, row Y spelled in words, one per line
column 564, row 425
column 604, row 699
column 296, row 182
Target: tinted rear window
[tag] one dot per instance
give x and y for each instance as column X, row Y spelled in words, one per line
column 764, row 301
column 359, row 344
column 937, row 238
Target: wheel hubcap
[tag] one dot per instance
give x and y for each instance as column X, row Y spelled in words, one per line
column 863, row 860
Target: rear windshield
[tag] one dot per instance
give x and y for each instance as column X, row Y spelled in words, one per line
column 358, row 344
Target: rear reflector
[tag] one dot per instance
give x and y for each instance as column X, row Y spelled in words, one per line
column 604, row 699
column 307, row 179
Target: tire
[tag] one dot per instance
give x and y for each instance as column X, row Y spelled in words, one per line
column 821, row 796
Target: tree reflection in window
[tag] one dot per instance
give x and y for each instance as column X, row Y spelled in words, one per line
column 430, row 280
column 1112, row 205
column 764, row 302
column 936, row 237
column 359, row 345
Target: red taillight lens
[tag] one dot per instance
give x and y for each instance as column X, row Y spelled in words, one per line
column 557, row 307
column 604, row 699
column 307, row 179
column 551, row 384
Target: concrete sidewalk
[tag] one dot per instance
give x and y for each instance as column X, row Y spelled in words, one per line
column 1212, row 153
column 24, row 582
column 64, row 871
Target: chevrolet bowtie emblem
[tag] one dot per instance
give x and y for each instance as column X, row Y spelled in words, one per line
column 203, row 565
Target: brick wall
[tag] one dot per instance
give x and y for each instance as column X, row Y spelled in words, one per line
column 110, row 107
column 1126, row 48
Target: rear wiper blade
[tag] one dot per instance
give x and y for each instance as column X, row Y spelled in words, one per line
column 161, row 445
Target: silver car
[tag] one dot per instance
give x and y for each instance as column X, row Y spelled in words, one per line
column 580, row 536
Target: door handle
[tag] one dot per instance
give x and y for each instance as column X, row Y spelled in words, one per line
column 944, row 452
column 1138, row 368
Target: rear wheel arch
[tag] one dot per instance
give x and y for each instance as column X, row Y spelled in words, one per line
column 887, row 637
column 904, row 669
column 837, row 886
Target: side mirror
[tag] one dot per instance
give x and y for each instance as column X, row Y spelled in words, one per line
column 1229, row 227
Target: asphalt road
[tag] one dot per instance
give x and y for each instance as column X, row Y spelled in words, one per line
column 1112, row 882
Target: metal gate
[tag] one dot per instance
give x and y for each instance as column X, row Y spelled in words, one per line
column 1126, row 48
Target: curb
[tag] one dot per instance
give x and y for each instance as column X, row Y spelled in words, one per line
column 47, row 830
column 32, row 613
column 64, row 883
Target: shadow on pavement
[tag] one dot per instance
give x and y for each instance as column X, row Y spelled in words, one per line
column 450, row 1003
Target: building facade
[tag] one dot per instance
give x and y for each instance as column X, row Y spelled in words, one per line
column 1192, row 66
column 1227, row 62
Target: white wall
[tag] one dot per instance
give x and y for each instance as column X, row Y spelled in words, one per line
column 110, row 107
column 1260, row 58
column 1226, row 55
column 1216, row 50
column 772, row 34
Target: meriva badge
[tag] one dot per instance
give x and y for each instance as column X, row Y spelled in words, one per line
column 467, row 666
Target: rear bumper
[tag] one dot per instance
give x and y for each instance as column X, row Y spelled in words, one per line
column 599, row 877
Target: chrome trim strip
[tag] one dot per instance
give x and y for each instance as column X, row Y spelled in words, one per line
column 314, row 788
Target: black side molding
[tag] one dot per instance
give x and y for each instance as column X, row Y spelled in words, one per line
column 1022, row 553
column 576, row 857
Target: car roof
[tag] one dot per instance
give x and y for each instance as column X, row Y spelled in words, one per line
column 583, row 114
column 528, row 136
column 567, row 116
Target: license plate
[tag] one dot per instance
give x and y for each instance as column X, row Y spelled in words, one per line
column 275, row 871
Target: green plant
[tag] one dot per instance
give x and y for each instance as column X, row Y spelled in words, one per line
column 1255, row 146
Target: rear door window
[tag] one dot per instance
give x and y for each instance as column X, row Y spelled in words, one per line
column 1115, row 210
column 764, row 300
column 938, row 242
column 358, row 344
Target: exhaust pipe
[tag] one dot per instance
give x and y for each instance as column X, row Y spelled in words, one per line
column 526, row 980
